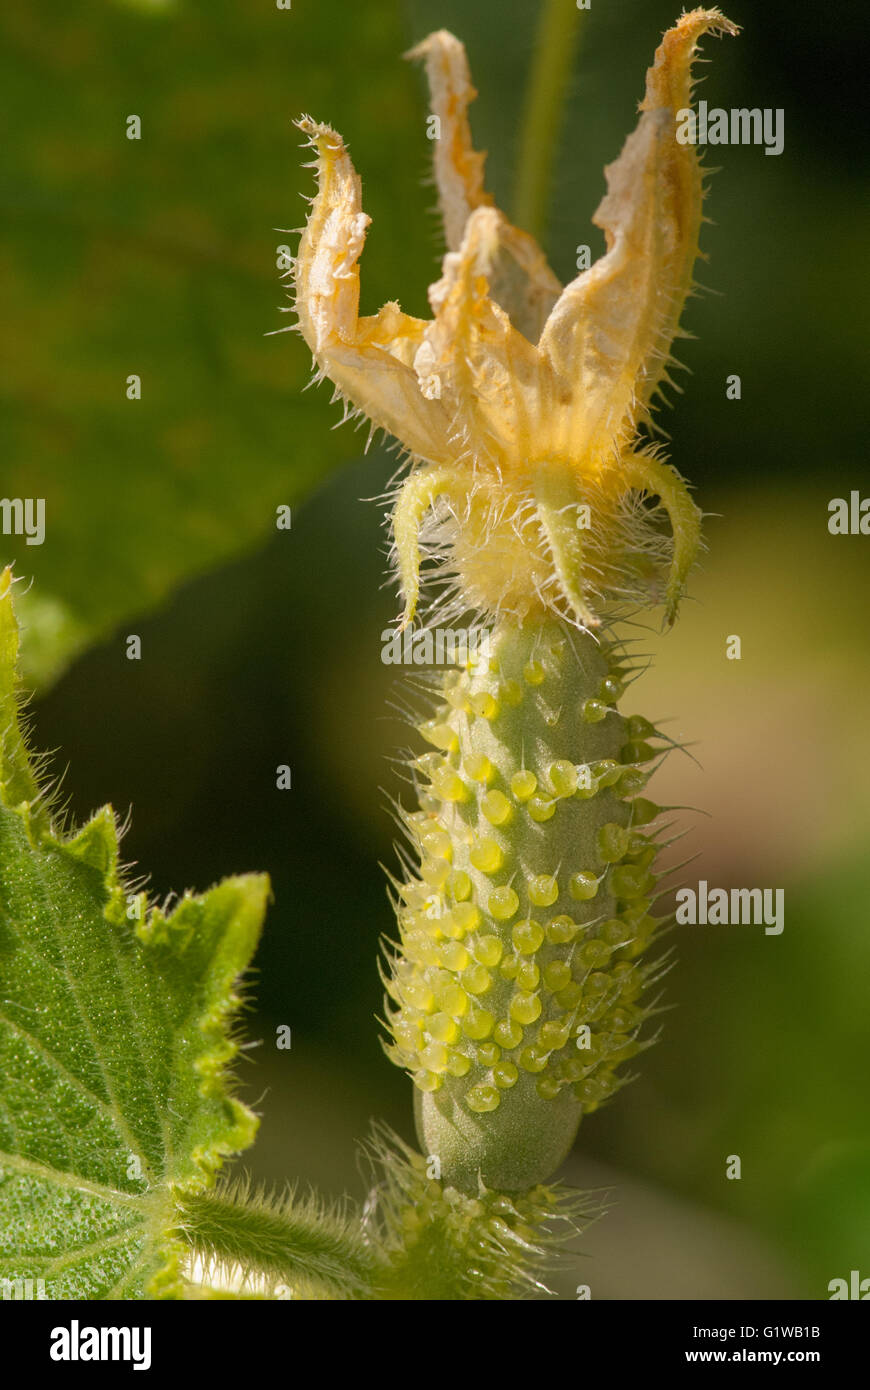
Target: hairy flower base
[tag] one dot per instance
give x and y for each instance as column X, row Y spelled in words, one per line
column 549, row 544
column 514, row 995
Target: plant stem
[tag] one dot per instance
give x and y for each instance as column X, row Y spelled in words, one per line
column 555, row 48
column 286, row 1241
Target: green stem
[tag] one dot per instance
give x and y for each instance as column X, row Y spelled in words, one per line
column 434, row 1266
column 442, row 1245
column 285, row 1241
column 555, row 48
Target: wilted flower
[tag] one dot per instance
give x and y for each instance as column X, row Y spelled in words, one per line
column 520, row 402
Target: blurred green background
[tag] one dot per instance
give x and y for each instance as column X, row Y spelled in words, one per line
column 158, row 257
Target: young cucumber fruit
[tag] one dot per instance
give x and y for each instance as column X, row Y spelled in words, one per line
column 514, row 993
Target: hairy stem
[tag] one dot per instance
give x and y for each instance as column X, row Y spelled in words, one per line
column 286, row 1241
column 555, row 48
column 441, row 1244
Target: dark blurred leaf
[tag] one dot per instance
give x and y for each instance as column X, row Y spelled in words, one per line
column 157, row 257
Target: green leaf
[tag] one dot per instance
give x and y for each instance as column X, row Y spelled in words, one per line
column 158, row 257
column 115, row 1038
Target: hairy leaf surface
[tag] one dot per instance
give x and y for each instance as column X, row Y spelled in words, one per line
column 115, row 1036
